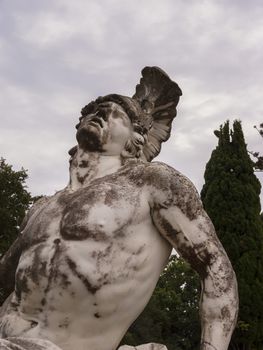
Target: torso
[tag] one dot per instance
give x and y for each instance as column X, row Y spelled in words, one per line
column 92, row 263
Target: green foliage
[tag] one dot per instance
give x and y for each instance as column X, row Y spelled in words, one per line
column 258, row 164
column 14, row 201
column 171, row 316
column 231, row 198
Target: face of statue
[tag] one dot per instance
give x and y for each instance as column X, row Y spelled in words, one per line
column 106, row 130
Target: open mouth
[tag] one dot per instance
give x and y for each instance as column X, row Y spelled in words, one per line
column 96, row 121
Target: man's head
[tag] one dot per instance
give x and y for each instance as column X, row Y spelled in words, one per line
column 107, row 128
column 150, row 111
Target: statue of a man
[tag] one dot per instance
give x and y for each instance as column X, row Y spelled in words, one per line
column 88, row 258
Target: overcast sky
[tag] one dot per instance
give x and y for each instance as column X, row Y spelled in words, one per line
column 56, row 56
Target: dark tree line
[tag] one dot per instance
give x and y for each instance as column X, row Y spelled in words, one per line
column 14, row 201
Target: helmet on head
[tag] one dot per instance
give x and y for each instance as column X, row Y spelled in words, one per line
column 151, row 109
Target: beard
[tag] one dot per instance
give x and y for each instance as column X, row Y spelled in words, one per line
column 90, row 138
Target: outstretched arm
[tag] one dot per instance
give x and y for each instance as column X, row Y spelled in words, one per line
column 178, row 214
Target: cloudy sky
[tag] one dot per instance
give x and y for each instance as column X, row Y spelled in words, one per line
column 58, row 55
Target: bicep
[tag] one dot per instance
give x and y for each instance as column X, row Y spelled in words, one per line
column 10, row 260
column 177, row 212
column 179, row 216
column 8, row 265
column 194, row 238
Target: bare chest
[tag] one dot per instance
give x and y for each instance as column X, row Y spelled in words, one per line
column 102, row 212
column 89, row 249
column 97, row 212
column 89, row 238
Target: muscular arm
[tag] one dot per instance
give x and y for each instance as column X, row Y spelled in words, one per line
column 178, row 214
column 8, row 265
column 9, row 261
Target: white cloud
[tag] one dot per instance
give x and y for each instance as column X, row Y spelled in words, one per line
column 42, row 30
column 56, row 56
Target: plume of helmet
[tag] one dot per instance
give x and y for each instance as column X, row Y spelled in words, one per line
column 151, row 109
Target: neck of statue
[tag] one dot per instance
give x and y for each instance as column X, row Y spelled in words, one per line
column 87, row 166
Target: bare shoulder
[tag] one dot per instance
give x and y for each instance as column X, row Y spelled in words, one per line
column 10, row 259
column 41, row 202
column 162, row 173
column 172, row 189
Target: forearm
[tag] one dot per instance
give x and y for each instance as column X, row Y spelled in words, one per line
column 8, row 265
column 10, row 260
column 219, row 307
column 215, row 336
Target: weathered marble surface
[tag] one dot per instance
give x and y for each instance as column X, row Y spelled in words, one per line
column 40, row 344
column 27, row 344
column 148, row 346
column 89, row 257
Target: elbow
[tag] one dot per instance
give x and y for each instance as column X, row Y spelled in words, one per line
column 221, row 276
column 227, row 280
column 220, row 292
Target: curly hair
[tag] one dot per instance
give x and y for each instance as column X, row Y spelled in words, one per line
column 134, row 147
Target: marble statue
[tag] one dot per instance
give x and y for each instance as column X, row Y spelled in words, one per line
column 88, row 258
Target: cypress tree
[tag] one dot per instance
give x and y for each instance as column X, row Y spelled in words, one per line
column 231, row 198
